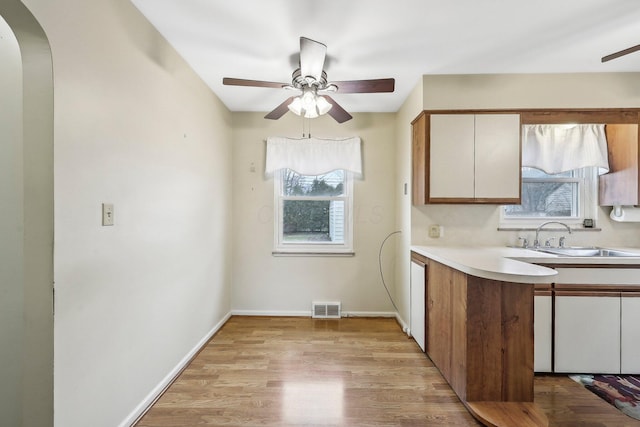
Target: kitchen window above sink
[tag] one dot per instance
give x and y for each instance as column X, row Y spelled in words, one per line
column 560, row 167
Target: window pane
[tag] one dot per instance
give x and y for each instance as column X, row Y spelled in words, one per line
column 311, row 221
column 330, row 184
column 546, row 199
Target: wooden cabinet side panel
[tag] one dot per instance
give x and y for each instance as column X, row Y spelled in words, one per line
column 458, row 376
column 439, row 281
column 419, row 160
column 620, row 186
column 484, row 345
column 497, row 157
column 500, row 341
column 517, row 335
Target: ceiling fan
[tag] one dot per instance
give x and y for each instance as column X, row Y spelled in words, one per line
column 311, row 79
column 621, row 53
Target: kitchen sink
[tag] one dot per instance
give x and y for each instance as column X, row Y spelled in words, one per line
column 587, row 252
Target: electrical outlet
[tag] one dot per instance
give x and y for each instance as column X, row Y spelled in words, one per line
column 107, row 214
column 435, row 231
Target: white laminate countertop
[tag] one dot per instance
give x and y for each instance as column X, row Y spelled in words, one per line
column 494, row 263
column 509, row 264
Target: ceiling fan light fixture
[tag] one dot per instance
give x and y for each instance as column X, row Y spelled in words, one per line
column 323, row 105
column 309, row 104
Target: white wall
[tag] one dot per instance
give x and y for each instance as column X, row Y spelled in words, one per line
column 411, row 107
column 287, row 285
column 134, row 127
column 28, row 208
column 478, row 224
column 11, row 229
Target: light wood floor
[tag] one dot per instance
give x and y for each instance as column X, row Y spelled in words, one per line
column 263, row 371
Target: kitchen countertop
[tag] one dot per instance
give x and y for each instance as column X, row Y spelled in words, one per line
column 508, row 264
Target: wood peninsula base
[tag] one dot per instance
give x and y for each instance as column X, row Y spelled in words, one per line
column 480, row 337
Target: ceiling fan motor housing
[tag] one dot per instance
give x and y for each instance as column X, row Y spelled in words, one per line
column 299, row 81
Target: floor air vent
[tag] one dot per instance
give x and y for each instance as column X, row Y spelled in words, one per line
column 326, row 310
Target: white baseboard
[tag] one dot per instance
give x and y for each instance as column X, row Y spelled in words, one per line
column 405, row 327
column 368, row 314
column 305, row 313
column 168, row 379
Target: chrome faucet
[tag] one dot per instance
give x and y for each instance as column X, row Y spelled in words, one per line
column 536, row 242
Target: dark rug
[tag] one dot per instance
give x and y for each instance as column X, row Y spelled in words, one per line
column 621, row 391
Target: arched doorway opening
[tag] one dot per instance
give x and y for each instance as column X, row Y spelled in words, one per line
column 26, row 264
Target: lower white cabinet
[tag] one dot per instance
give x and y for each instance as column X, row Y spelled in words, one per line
column 417, row 320
column 630, row 333
column 587, row 332
column 543, row 333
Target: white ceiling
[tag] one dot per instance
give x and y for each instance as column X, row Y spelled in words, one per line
column 403, row 39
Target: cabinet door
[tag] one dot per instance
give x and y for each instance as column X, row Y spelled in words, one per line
column 630, row 334
column 451, row 165
column 621, row 185
column 497, row 157
column 542, row 333
column 417, row 303
column 587, row 332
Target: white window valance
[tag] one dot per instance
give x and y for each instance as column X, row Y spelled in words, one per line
column 559, row 148
column 313, row 156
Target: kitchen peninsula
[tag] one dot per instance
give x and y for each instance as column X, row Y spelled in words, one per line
column 479, row 328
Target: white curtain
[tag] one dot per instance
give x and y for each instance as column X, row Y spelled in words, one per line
column 313, row 156
column 559, row 148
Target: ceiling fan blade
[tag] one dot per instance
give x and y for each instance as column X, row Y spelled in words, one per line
column 620, row 53
column 366, row 86
column 280, row 110
column 312, row 55
column 337, row 112
column 255, row 83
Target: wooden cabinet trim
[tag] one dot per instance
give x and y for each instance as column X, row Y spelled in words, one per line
column 421, row 159
column 555, row 115
column 581, row 265
column 418, row 258
column 582, row 293
column 596, row 288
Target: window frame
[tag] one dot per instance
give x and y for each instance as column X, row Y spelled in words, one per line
column 281, row 247
column 587, row 204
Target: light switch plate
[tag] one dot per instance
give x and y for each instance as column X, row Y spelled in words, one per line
column 107, row 214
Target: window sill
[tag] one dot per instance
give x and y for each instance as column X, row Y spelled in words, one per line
column 313, row 254
column 548, row 229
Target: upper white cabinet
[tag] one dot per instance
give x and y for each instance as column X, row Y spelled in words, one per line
column 451, row 169
column 466, row 158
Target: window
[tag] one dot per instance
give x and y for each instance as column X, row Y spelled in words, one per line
column 313, row 212
column 569, row 197
column 560, row 171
